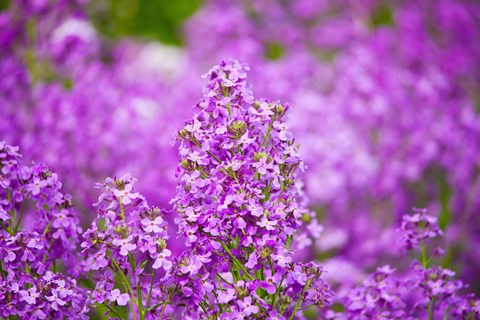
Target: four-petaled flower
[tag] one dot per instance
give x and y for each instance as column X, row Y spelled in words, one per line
column 262, row 166
column 152, row 225
column 194, row 181
column 161, row 260
column 125, row 245
column 121, row 298
column 125, row 195
column 247, row 307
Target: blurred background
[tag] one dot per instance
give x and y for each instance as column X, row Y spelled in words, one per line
column 385, row 105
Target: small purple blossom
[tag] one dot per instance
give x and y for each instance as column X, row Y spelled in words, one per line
column 120, row 298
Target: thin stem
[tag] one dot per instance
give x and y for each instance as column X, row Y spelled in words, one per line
column 122, row 210
column 127, row 284
column 1, row 270
column 223, row 279
column 141, row 313
column 47, row 227
column 166, row 303
column 31, row 57
column 151, row 288
column 6, row 228
column 270, row 126
column 277, row 292
column 208, row 152
column 424, row 255
column 10, row 230
column 431, row 309
column 238, row 263
column 24, row 206
column 155, row 306
column 140, row 302
column 299, row 301
column 112, row 310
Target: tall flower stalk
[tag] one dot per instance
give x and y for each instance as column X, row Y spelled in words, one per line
column 240, row 207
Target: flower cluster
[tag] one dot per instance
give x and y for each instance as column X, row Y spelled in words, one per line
column 380, row 296
column 38, row 236
column 386, row 110
column 372, row 73
column 417, row 228
column 420, row 291
column 240, row 207
column 47, row 296
column 127, row 239
column 49, row 60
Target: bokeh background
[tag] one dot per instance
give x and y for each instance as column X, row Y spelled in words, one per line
column 385, row 105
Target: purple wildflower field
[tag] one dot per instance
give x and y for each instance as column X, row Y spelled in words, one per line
column 306, row 159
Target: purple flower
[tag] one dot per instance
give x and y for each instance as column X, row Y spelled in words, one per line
column 99, row 261
column 36, row 186
column 271, row 281
column 125, row 195
column 3, row 213
column 194, row 181
column 30, row 295
column 282, row 258
column 247, row 307
column 121, row 298
column 161, row 260
column 262, row 165
column 267, row 224
column 226, row 296
column 192, row 266
column 417, row 228
column 125, row 245
column 153, row 225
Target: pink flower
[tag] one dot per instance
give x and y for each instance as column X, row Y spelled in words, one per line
column 125, row 195
column 125, row 245
column 262, row 166
column 162, row 261
column 152, row 225
column 121, row 298
column 247, row 307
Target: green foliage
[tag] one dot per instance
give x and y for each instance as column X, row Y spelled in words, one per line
column 4, row 4
column 382, row 16
column 148, row 19
column 274, row 51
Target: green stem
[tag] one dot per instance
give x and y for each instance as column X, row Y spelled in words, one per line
column 299, row 301
column 151, row 288
column 1, row 270
column 10, row 223
column 238, row 263
column 277, row 292
column 141, row 313
column 223, row 279
column 431, row 309
column 126, row 283
column 24, row 206
column 270, row 126
column 6, row 228
column 155, row 306
column 424, row 255
column 122, row 210
column 140, row 302
column 165, row 304
column 112, row 310
column 31, row 57
column 120, row 271
column 47, row 227
column 200, row 146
